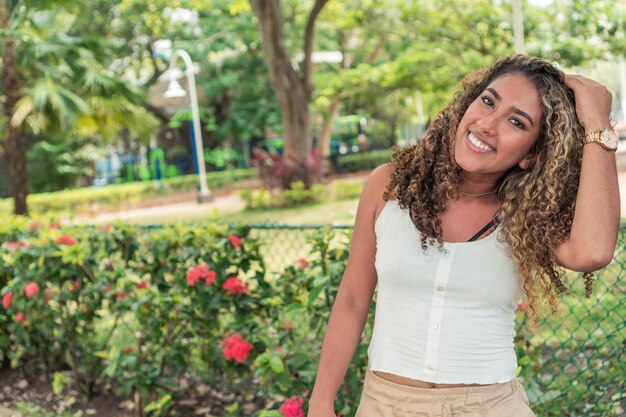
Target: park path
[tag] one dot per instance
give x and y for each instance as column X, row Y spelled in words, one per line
column 188, row 210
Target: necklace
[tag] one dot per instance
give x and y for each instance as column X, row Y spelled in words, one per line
column 477, row 195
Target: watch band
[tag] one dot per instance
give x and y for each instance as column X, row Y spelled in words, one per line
column 607, row 138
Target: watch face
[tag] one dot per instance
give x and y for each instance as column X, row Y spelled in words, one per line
column 610, row 139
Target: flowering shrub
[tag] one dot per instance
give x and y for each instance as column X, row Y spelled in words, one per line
column 64, row 240
column 145, row 307
column 6, row 300
column 236, row 348
column 292, row 407
column 235, row 241
column 200, row 272
column 31, row 289
column 234, row 286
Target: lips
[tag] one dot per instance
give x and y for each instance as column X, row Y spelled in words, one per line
column 479, row 144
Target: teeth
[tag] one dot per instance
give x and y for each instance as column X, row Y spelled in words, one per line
column 478, row 143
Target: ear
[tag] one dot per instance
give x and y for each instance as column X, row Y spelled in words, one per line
column 528, row 161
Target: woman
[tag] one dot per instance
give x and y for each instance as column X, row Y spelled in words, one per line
column 486, row 208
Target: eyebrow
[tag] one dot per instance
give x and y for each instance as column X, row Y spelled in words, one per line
column 515, row 109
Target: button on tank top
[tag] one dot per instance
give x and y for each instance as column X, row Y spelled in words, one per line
column 446, row 315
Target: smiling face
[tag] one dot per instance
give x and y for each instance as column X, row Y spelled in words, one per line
column 499, row 129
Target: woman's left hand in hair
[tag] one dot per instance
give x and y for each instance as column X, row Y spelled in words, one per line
column 593, row 102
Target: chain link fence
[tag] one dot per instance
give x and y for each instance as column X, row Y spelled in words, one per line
column 574, row 366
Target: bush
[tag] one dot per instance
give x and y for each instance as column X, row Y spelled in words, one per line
column 362, row 161
column 136, row 306
column 295, row 196
column 346, row 189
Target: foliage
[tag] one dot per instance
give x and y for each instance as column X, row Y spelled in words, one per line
column 221, row 157
column 116, row 196
column 56, row 166
column 297, row 195
column 346, row 189
column 273, row 167
column 130, row 286
column 362, row 161
column 294, row 196
column 196, row 300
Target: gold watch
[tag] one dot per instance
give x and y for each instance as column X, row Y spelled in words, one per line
column 607, row 138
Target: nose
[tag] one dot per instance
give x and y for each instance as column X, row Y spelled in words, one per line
column 487, row 124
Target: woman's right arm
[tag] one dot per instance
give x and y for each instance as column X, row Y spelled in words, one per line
column 354, row 296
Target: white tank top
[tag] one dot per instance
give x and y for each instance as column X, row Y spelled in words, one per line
column 446, row 316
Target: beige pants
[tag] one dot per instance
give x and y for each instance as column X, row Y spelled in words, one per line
column 382, row 398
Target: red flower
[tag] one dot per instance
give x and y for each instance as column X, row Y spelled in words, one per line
column 292, row 407
column 65, row 240
column 200, row 272
column 48, row 292
column 13, row 246
column 121, row 294
column 236, row 348
column 142, row 285
column 55, row 226
column 235, row 241
column 234, row 285
column 19, row 317
column 303, row 263
column 210, row 277
column 106, row 228
column 31, row 289
column 75, row 285
column 6, row 300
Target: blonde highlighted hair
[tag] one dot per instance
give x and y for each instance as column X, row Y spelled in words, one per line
column 537, row 203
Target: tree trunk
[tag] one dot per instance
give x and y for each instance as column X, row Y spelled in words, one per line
column 323, row 143
column 15, row 144
column 292, row 87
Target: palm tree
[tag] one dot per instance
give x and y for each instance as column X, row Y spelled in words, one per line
column 57, row 84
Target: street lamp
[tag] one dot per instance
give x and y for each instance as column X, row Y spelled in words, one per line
column 175, row 90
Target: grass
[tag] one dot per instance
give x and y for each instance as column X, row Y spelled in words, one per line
column 334, row 212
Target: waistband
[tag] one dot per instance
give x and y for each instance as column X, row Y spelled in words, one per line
column 484, row 396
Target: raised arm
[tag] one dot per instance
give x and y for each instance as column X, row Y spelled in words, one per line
column 597, row 214
column 351, row 307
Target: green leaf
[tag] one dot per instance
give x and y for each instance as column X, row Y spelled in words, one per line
column 59, row 382
column 277, row 365
column 271, row 413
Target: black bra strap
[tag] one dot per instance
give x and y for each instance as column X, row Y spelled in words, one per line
column 482, row 231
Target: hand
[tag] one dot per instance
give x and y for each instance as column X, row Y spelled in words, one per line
column 593, row 102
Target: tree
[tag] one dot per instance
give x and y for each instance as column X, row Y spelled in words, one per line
column 56, row 84
column 293, row 86
column 223, row 40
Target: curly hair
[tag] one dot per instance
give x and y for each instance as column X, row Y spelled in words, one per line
column 537, row 203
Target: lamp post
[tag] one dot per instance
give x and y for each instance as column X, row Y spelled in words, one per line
column 518, row 27
column 175, row 90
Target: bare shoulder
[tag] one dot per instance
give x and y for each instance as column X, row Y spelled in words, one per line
column 374, row 188
column 378, row 179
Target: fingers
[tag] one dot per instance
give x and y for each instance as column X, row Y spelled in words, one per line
column 575, row 81
column 593, row 101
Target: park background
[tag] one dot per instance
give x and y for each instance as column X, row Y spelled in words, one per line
column 139, row 284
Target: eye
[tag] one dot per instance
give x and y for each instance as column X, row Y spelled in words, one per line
column 487, row 101
column 517, row 123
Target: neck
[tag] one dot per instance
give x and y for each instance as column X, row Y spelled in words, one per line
column 478, row 186
column 485, row 194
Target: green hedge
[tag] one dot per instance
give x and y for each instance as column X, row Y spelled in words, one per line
column 362, row 161
column 298, row 195
column 118, row 195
